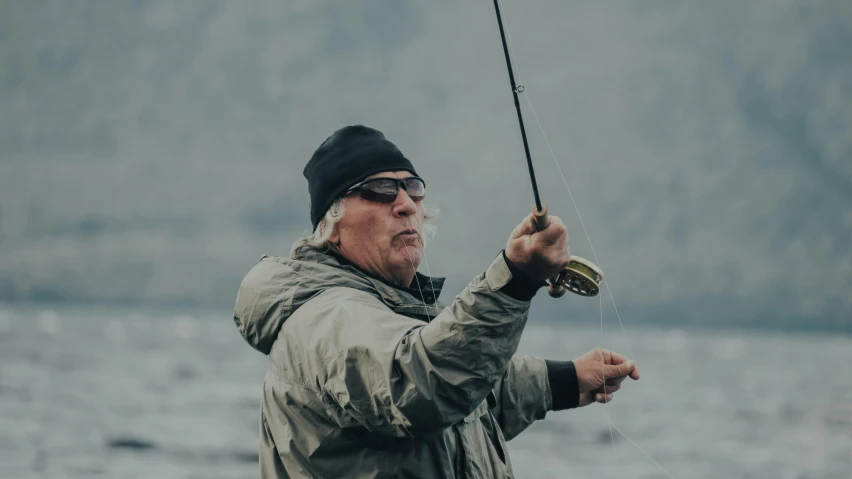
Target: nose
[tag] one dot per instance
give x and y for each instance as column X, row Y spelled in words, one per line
column 404, row 205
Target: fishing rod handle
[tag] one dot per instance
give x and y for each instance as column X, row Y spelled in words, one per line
column 540, row 217
column 555, row 287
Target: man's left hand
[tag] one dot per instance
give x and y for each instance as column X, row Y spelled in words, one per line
column 600, row 373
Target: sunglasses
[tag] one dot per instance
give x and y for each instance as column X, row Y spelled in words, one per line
column 385, row 190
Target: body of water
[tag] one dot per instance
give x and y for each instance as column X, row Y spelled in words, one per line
column 137, row 394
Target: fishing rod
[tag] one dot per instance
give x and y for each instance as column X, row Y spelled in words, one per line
column 580, row 276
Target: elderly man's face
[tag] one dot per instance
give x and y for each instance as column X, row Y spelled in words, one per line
column 383, row 239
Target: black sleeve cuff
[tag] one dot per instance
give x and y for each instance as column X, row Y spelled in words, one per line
column 564, row 388
column 521, row 286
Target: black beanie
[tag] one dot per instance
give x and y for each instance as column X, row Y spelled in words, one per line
column 348, row 156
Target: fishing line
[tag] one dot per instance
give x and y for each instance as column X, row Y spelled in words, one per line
column 608, row 420
column 522, row 90
column 416, row 279
column 428, row 271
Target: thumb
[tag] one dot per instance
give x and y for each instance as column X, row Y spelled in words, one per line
column 526, row 228
column 619, row 370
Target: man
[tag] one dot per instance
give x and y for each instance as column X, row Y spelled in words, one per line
column 368, row 376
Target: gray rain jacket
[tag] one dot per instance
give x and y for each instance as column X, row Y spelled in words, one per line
column 365, row 380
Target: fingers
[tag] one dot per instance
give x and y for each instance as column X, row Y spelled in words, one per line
column 616, row 365
column 603, row 373
column 621, row 370
column 612, row 382
column 618, row 358
column 606, row 389
column 613, row 357
column 539, row 254
column 556, row 233
column 549, row 235
column 526, row 227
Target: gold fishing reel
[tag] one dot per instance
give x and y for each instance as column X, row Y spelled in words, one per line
column 580, row 276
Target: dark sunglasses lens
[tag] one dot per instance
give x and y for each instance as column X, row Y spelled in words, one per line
column 415, row 188
column 382, row 191
column 385, row 190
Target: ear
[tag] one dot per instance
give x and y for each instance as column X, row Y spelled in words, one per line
column 334, row 238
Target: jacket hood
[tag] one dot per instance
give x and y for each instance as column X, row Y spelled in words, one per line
column 277, row 286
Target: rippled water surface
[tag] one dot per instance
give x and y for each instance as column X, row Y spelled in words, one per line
column 133, row 394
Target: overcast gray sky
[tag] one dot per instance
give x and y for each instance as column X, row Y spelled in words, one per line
column 151, row 151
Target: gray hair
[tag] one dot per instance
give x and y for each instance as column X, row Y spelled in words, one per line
column 319, row 239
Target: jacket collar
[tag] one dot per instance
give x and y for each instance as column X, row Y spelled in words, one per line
column 419, row 299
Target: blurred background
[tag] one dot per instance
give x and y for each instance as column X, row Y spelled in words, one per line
column 152, row 151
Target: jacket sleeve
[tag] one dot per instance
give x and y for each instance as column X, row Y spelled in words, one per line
column 523, row 395
column 530, row 388
column 403, row 377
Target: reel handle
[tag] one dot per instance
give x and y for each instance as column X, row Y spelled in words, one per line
column 555, row 287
